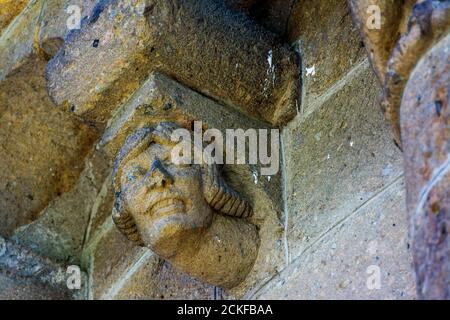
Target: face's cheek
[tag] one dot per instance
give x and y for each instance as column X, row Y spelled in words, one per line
column 136, row 199
column 189, row 184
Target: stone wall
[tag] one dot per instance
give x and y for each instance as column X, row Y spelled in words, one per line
column 333, row 218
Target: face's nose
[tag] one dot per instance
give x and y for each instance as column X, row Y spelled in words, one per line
column 159, row 176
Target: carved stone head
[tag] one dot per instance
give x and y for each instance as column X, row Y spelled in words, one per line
column 160, row 204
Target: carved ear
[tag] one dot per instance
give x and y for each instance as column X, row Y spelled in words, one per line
column 221, row 197
column 126, row 225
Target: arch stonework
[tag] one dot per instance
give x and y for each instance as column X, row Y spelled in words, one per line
column 354, row 193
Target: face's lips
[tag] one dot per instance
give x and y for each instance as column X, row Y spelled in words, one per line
column 167, row 207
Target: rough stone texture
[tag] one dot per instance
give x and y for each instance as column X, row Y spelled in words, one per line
column 121, row 270
column 328, row 43
column 273, row 15
column 25, row 275
column 341, row 265
column 417, row 25
column 61, row 230
column 429, row 22
column 202, row 43
column 53, row 22
column 107, row 257
column 16, row 288
column 9, row 9
column 425, row 116
column 419, row 120
column 338, row 158
column 344, row 209
column 40, row 147
column 37, row 31
column 153, row 278
column 161, row 98
column 17, row 42
column 380, row 42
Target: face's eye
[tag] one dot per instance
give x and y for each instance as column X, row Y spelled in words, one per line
column 135, row 173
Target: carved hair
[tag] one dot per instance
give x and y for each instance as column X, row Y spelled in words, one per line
column 216, row 192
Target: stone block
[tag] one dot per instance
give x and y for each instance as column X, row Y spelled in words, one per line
column 9, row 9
column 40, row 147
column 17, row 42
column 26, row 275
column 54, row 22
column 61, row 230
column 108, row 256
column 154, row 279
column 328, row 42
column 337, row 159
column 202, row 44
column 366, row 256
column 121, row 270
column 16, row 288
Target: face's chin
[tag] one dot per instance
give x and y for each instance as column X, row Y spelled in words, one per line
column 168, row 234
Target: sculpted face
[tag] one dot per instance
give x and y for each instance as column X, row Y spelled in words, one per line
column 165, row 200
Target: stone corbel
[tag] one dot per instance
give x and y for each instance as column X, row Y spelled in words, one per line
column 191, row 216
column 187, row 215
column 410, row 54
column 136, row 66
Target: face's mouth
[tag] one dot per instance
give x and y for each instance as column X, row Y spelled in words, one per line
column 167, row 207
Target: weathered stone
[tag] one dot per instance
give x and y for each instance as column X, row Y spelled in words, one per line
column 17, row 288
column 419, row 120
column 25, row 275
column 240, row 5
column 61, row 230
column 430, row 22
column 17, row 42
column 346, row 262
column 152, row 278
column 200, row 43
column 425, row 117
column 343, row 214
column 162, row 98
column 40, row 147
column 328, row 43
column 380, row 42
column 120, row 270
column 337, row 159
column 273, row 15
column 187, row 215
column 54, row 19
column 9, row 9
column 108, row 256
column 417, row 25
column 36, row 33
